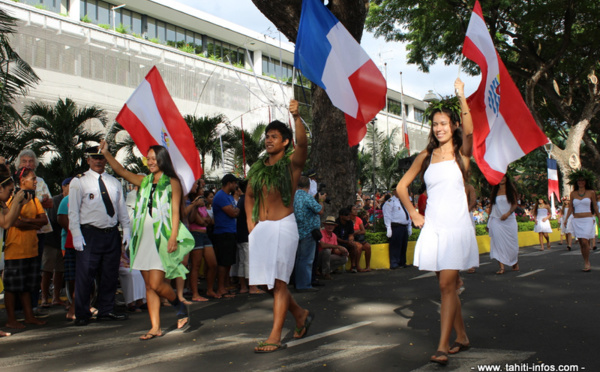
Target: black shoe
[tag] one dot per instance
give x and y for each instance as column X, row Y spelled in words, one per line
column 82, row 322
column 113, row 316
column 307, row 290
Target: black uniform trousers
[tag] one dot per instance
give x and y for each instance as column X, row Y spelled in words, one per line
column 100, row 258
column 397, row 245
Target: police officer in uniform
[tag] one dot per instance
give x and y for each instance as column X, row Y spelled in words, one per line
column 397, row 223
column 96, row 208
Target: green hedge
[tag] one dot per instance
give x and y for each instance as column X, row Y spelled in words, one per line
column 381, row 238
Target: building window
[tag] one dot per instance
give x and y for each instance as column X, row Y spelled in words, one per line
column 419, row 115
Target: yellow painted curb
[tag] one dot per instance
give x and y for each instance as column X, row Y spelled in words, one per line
column 380, row 255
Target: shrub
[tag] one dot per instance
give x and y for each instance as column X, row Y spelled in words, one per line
column 154, row 40
column 187, row 48
column 104, row 26
column 86, row 19
column 121, row 29
column 41, row 6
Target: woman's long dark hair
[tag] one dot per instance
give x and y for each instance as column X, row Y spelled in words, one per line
column 511, row 191
column 163, row 160
column 536, row 204
column 20, row 174
column 434, row 143
column 5, row 176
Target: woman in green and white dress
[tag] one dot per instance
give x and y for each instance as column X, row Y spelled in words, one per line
column 159, row 239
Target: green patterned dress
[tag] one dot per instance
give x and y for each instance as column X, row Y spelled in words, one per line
column 162, row 222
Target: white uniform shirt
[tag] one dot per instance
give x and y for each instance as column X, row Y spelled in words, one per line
column 40, row 190
column 87, row 208
column 393, row 211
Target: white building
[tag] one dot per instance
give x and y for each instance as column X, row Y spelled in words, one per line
column 97, row 52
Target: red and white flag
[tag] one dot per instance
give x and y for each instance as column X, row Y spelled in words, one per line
column 504, row 129
column 404, row 125
column 553, row 179
column 151, row 118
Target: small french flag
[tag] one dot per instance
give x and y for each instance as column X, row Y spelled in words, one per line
column 553, row 179
column 330, row 57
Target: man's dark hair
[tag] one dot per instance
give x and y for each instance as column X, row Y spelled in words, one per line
column 344, row 212
column 286, row 133
column 303, row 182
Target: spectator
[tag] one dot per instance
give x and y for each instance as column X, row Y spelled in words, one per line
column 28, row 159
column 331, row 254
column 359, row 239
column 69, row 256
column 224, row 238
column 53, row 267
column 199, row 220
column 96, row 208
column 345, row 236
column 22, row 265
column 307, row 212
column 8, row 216
column 397, row 223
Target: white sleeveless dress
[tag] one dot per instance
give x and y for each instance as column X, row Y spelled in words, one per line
column 540, row 226
column 504, row 240
column 447, row 240
column 583, row 228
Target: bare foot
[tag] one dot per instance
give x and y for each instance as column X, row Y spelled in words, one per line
column 185, row 302
column 4, row 334
column 256, row 291
column 199, row 299
column 150, row 335
column 15, row 325
column 35, row 321
column 182, row 322
column 515, row 267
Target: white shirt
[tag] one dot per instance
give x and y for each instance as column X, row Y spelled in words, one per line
column 41, row 189
column 313, row 187
column 393, row 211
column 87, row 208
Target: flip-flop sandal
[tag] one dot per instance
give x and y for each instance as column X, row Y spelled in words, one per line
column 150, row 336
column 461, row 347
column 437, row 358
column 263, row 344
column 306, row 326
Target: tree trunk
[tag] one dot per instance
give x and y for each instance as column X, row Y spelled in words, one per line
column 331, row 156
column 568, row 159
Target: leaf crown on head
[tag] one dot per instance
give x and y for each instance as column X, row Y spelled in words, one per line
column 451, row 103
column 587, row 175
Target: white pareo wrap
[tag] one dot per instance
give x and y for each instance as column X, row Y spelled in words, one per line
column 583, row 228
column 272, row 251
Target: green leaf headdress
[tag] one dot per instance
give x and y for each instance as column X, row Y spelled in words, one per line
column 588, row 176
column 451, row 103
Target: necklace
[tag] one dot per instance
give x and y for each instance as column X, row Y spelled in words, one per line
column 580, row 194
column 441, row 153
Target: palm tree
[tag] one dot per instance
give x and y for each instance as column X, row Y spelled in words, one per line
column 16, row 77
column 251, row 149
column 60, row 133
column 120, row 140
column 387, row 155
column 206, row 130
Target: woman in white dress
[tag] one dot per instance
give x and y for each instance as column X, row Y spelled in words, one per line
column 447, row 241
column 565, row 228
column 541, row 213
column 502, row 225
column 583, row 200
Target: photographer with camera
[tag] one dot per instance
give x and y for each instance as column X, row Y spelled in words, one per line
column 22, row 266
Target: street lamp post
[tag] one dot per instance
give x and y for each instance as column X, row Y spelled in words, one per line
column 114, row 15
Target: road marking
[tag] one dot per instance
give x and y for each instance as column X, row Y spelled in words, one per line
column 469, row 360
column 572, row 253
column 537, row 253
column 530, row 273
column 328, row 333
column 343, row 352
column 426, row 275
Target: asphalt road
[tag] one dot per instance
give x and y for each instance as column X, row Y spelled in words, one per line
column 543, row 318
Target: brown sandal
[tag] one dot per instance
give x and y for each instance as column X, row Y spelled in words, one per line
column 438, row 358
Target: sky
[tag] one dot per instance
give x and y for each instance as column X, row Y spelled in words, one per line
column 415, row 83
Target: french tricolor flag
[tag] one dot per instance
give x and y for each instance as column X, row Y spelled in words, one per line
column 151, row 118
column 503, row 128
column 330, row 57
column 553, row 179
